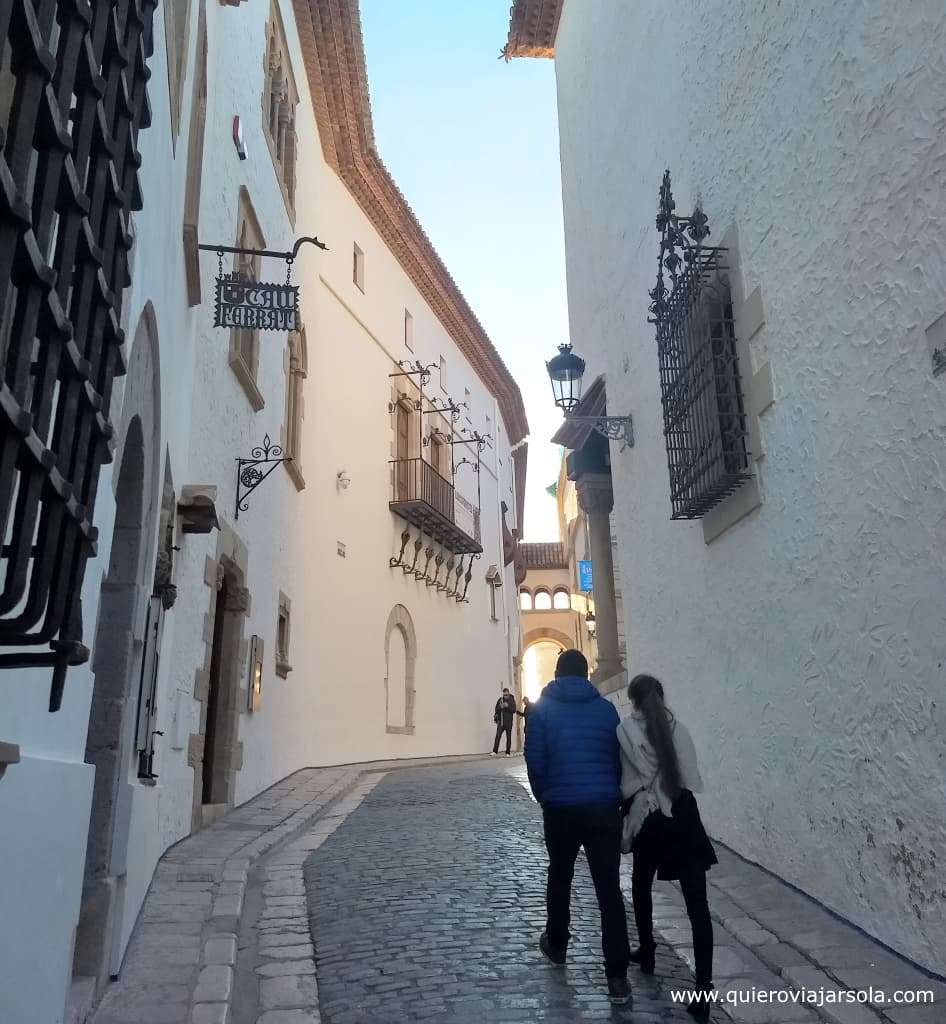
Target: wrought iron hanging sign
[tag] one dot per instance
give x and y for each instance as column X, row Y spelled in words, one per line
column 257, row 305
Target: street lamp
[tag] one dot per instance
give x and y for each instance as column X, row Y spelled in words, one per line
column 565, row 372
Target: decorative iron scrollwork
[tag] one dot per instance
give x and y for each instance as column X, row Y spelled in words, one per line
column 250, row 474
column 449, row 582
column 74, row 90
column 705, row 423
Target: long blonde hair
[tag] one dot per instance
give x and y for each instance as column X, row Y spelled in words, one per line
column 647, row 696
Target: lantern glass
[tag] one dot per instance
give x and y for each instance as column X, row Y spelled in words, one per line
column 565, row 372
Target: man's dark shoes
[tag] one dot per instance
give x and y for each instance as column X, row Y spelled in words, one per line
column 556, row 957
column 644, row 958
column 699, row 1008
column 619, row 989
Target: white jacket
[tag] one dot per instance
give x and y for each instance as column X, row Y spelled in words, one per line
column 639, row 761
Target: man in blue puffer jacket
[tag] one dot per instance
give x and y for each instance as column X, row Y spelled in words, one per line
column 574, row 765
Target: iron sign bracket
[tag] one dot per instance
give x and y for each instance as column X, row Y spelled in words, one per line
column 288, row 256
column 250, row 474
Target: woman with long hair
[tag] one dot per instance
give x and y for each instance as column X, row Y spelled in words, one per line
column 662, row 826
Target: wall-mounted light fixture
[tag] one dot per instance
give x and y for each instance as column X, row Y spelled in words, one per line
column 565, row 372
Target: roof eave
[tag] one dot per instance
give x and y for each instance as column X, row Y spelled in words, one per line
column 533, row 26
column 333, row 52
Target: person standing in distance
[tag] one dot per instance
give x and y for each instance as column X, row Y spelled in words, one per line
column 503, row 715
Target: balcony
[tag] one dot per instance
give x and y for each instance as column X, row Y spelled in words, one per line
column 428, row 501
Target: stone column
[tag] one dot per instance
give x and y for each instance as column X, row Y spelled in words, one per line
column 596, row 499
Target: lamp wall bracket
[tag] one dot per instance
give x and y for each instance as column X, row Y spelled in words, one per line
column 615, row 428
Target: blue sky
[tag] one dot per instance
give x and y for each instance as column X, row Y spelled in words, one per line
column 473, row 144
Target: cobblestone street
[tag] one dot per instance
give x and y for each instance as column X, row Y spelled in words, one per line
column 387, row 893
column 428, row 903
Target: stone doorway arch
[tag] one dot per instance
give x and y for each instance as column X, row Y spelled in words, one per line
column 116, row 657
column 399, row 671
column 538, row 662
column 215, row 751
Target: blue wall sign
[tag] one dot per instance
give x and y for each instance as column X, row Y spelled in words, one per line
column 585, row 576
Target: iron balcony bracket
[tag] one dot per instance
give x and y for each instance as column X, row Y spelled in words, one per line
column 415, row 369
column 250, row 475
column 615, row 428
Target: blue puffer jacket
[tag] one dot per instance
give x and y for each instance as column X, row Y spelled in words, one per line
column 572, row 751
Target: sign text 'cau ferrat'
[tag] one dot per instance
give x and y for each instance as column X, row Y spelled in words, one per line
column 256, row 305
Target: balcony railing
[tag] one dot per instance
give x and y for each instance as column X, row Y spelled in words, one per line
column 427, row 500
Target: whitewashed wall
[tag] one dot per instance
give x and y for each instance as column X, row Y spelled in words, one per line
column 331, row 708
column 805, row 646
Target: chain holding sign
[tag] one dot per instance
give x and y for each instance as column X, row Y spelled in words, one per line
column 257, row 305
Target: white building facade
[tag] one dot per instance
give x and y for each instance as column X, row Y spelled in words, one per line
column 361, row 603
column 797, row 623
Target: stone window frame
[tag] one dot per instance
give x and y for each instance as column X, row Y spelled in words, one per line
column 283, row 637
column 400, row 618
column 358, row 267
column 408, row 330
column 296, row 368
column 758, row 394
column 547, row 593
column 176, row 36
column 405, row 399
column 526, row 592
column 245, row 342
column 195, row 161
column 278, row 104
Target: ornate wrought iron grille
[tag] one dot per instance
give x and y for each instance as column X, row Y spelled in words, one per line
column 72, row 99
column 704, row 415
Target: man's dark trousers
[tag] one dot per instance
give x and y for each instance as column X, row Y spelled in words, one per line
column 503, row 726
column 598, row 830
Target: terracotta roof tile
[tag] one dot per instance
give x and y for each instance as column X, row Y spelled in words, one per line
column 533, row 25
column 544, row 555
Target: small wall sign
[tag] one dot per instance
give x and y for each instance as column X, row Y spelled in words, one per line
column 585, row 576
column 256, row 305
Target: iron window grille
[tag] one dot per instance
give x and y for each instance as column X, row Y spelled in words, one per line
column 76, row 75
column 705, row 424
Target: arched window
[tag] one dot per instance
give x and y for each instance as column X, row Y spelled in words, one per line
column 525, row 600
column 561, row 599
column 543, row 600
column 400, row 655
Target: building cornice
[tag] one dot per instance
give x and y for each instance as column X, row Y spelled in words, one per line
column 533, row 25
column 333, row 51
